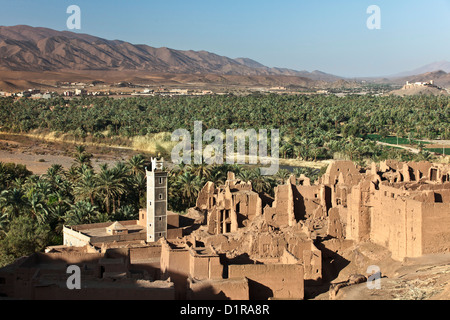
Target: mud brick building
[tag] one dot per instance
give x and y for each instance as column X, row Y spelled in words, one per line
column 240, row 244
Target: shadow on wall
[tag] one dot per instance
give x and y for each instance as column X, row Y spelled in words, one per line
column 332, row 265
column 207, row 293
column 240, row 259
column 258, row 291
column 188, row 224
column 299, row 205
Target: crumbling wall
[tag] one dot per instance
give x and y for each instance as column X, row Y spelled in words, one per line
column 145, row 253
column 175, row 266
column 278, row 281
column 147, row 259
column 66, row 258
column 435, row 227
column 358, row 214
column 282, row 211
column 335, row 226
column 205, row 199
column 225, row 289
column 99, row 290
column 396, row 223
column 203, row 266
column 347, row 169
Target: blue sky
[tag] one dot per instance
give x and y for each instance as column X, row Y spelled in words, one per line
column 326, row 35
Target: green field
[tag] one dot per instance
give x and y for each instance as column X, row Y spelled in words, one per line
column 439, row 150
column 393, row 140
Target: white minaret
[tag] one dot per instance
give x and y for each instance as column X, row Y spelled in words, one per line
column 156, row 201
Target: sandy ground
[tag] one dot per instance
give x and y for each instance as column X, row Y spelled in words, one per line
column 39, row 155
column 424, row 278
column 301, row 163
column 439, row 143
column 427, row 278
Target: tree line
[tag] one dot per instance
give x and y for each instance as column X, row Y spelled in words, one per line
column 311, row 127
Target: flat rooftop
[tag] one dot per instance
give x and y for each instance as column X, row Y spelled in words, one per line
column 101, row 232
column 99, row 229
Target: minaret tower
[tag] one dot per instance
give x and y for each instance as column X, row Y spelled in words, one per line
column 156, row 201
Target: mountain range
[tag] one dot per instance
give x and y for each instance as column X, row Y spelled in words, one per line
column 45, row 55
column 25, row 48
column 432, row 67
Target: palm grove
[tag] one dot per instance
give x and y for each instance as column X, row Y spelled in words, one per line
column 312, row 127
column 33, row 209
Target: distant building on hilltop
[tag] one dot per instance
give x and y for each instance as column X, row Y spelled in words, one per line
column 410, row 85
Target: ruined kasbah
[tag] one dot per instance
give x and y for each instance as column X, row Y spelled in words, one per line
column 307, row 241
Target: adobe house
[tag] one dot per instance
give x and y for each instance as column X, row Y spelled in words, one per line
column 108, row 276
column 249, row 247
column 276, row 281
column 229, row 207
column 198, row 272
column 405, row 209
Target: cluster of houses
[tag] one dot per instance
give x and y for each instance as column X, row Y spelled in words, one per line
column 172, row 92
column 37, row 94
column 30, row 93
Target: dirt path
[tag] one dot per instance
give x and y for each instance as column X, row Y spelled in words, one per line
column 413, row 150
column 438, row 142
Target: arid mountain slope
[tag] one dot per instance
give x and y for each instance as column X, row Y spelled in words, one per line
column 24, row 48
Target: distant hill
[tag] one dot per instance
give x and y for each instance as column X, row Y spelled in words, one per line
column 432, row 67
column 440, row 78
column 25, row 48
column 250, row 63
column 417, row 89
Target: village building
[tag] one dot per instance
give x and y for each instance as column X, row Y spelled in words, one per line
column 241, row 244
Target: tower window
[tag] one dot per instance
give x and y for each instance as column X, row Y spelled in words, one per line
column 160, row 180
column 160, row 196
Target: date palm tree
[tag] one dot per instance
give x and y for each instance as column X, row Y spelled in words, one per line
column 79, row 213
column 189, row 186
column 203, row 171
column 86, row 187
column 282, row 176
column 110, row 186
column 245, row 175
column 54, row 171
column 13, row 203
column 38, row 207
column 261, row 183
column 136, row 165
